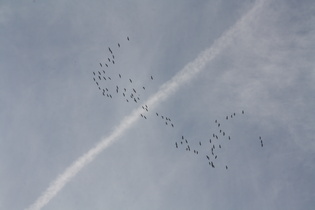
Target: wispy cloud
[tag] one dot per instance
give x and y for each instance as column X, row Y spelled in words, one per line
column 166, row 90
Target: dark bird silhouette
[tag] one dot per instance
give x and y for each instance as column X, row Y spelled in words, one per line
column 118, row 45
column 119, row 76
column 199, row 143
column 143, row 88
column 243, row 112
column 93, row 72
column 106, row 65
column 110, row 50
column 101, row 65
column 103, row 71
column 128, row 38
column 130, row 80
column 226, row 167
column 113, row 61
column 151, row 77
column 176, row 144
column 172, row 125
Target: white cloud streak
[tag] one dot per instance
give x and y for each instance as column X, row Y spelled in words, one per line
column 167, row 89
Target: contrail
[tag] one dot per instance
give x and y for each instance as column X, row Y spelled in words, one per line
column 167, row 89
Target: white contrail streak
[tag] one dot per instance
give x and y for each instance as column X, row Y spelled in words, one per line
column 168, row 88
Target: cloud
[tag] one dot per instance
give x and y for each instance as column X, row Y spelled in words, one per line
column 166, row 90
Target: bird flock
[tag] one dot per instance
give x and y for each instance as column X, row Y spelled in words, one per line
column 130, row 93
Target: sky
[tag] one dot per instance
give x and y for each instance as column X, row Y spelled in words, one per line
column 208, row 60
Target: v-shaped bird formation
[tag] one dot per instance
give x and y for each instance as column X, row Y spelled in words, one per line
column 105, row 79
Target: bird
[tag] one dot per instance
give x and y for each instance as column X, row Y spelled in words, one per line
column 101, row 65
column 151, row 78
column 128, row 38
column 119, row 76
column 243, row 112
column 130, row 80
column 226, row 167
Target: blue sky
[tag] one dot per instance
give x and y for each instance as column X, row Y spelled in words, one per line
column 52, row 113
